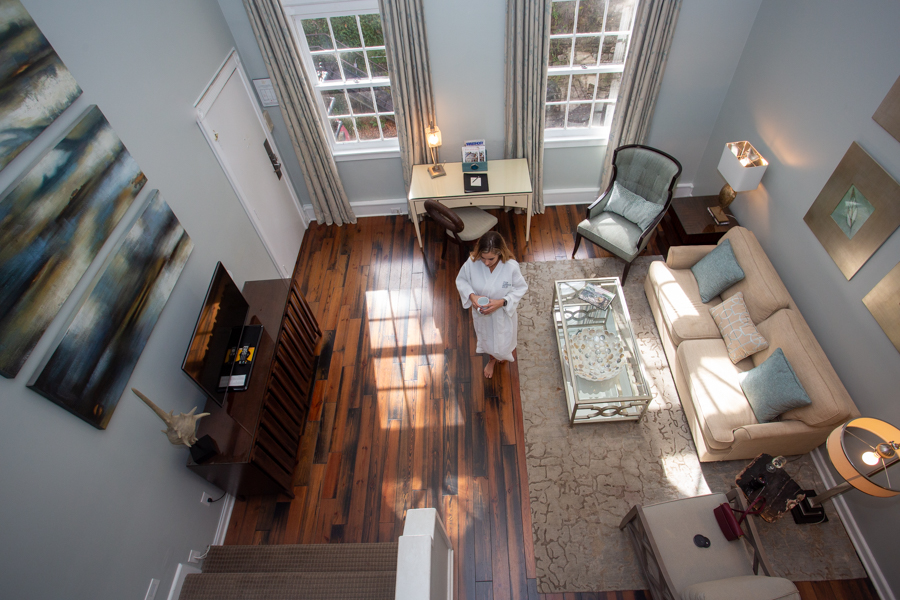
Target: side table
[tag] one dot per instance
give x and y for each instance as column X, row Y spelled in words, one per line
column 778, row 489
column 688, row 223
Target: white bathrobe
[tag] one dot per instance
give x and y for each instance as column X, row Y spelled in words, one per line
column 496, row 332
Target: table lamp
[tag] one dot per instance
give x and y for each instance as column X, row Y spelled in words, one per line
column 863, row 451
column 742, row 167
column 433, row 138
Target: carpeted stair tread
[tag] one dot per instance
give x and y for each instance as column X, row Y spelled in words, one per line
column 322, row 558
column 378, row 585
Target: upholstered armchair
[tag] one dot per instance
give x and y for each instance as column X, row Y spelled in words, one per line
column 623, row 219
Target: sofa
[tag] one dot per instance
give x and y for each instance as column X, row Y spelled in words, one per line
column 719, row 414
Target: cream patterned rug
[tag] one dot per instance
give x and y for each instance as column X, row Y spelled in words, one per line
column 583, row 480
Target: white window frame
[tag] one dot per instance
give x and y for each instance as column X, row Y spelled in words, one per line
column 586, row 136
column 297, row 11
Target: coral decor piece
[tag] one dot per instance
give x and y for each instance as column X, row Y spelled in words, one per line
column 181, row 428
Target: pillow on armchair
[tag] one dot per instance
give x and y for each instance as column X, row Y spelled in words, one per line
column 626, row 203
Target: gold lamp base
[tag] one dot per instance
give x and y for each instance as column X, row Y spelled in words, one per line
column 726, row 195
column 436, row 171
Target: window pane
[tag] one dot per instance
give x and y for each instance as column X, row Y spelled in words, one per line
column 555, row 117
column 344, row 130
column 371, row 28
column 609, row 86
column 586, row 50
column 326, row 67
column 335, row 103
column 354, row 64
column 562, row 17
column 383, row 99
column 590, row 16
column 361, row 102
column 317, row 35
column 583, row 87
column 579, row 115
column 557, row 87
column 378, row 63
column 368, row 128
column 346, row 35
column 388, row 127
column 560, row 49
column 603, row 112
column 619, row 14
column 614, row 49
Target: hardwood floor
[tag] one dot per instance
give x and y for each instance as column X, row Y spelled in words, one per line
column 402, row 416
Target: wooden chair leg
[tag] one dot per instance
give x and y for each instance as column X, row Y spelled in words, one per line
column 577, row 243
column 625, row 272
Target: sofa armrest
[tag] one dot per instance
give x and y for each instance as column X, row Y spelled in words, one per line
column 685, row 257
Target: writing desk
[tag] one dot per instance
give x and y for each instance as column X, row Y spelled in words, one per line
column 509, row 186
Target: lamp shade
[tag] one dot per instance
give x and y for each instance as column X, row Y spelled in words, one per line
column 864, row 453
column 433, row 136
column 742, row 166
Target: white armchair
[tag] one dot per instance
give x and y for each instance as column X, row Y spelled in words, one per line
column 677, row 569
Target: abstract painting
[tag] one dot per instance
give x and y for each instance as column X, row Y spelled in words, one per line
column 856, row 211
column 53, row 224
column 884, row 304
column 35, row 86
column 90, row 367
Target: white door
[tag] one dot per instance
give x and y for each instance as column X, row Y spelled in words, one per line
column 233, row 125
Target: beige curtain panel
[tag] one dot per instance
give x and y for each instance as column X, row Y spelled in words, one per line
column 644, row 69
column 527, row 50
column 296, row 98
column 407, row 53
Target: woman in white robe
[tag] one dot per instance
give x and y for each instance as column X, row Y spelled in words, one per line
column 491, row 273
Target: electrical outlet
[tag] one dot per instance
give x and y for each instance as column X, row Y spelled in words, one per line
column 205, row 499
column 396, row 211
column 194, row 556
column 151, row 591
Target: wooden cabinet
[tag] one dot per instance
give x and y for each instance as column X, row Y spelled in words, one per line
column 688, row 223
column 258, row 430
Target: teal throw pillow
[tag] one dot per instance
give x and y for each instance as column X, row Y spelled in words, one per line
column 623, row 201
column 717, row 271
column 773, row 388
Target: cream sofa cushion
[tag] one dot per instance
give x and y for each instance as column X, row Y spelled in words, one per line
column 764, row 293
column 684, row 315
column 830, row 401
column 719, row 402
column 746, row 587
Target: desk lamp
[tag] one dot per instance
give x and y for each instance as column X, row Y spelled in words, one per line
column 863, row 451
column 433, row 138
column 742, row 167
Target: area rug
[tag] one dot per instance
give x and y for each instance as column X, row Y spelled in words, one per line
column 583, row 480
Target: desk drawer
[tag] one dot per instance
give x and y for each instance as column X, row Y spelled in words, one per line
column 519, row 201
column 461, row 201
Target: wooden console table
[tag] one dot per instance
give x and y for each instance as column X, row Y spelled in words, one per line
column 509, row 186
column 258, row 430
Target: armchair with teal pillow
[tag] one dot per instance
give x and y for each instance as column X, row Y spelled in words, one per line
column 641, row 175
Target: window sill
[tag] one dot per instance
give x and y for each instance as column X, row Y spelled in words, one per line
column 574, row 142
column 369, row 154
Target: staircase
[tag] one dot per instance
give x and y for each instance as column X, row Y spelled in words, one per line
column 295, row 572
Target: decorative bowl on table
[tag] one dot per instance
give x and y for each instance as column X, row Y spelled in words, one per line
column 595, row 354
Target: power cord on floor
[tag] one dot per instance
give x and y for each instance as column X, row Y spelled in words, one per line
column 210, row 500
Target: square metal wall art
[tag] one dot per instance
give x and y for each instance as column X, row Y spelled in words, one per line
column 856, row 211
column 888, row 113
column 884, row 304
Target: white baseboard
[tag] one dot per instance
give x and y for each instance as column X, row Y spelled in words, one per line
column 561, row 197
column 856, row 537
column 224, row 520
column 181, row 572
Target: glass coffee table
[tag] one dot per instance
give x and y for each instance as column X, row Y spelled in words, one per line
column 602, row 368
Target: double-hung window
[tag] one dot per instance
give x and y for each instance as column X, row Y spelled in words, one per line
column 589, row 41
column 342, row 45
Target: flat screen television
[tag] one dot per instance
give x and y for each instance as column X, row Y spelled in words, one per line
column 218, row 329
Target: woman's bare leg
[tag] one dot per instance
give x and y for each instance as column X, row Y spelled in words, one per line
column 489, row 368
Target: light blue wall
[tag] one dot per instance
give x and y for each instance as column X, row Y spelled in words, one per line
column 88, row 514
column 810, row 78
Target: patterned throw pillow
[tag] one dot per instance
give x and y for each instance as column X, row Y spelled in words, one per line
column 740, row 334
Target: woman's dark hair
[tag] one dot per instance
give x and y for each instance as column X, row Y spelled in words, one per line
column 492, row 242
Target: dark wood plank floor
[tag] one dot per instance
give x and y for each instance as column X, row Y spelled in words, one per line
column 402, row 416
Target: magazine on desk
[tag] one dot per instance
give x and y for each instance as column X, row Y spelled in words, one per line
column 474, row 151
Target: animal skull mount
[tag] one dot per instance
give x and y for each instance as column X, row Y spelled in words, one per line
column 180, row 429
